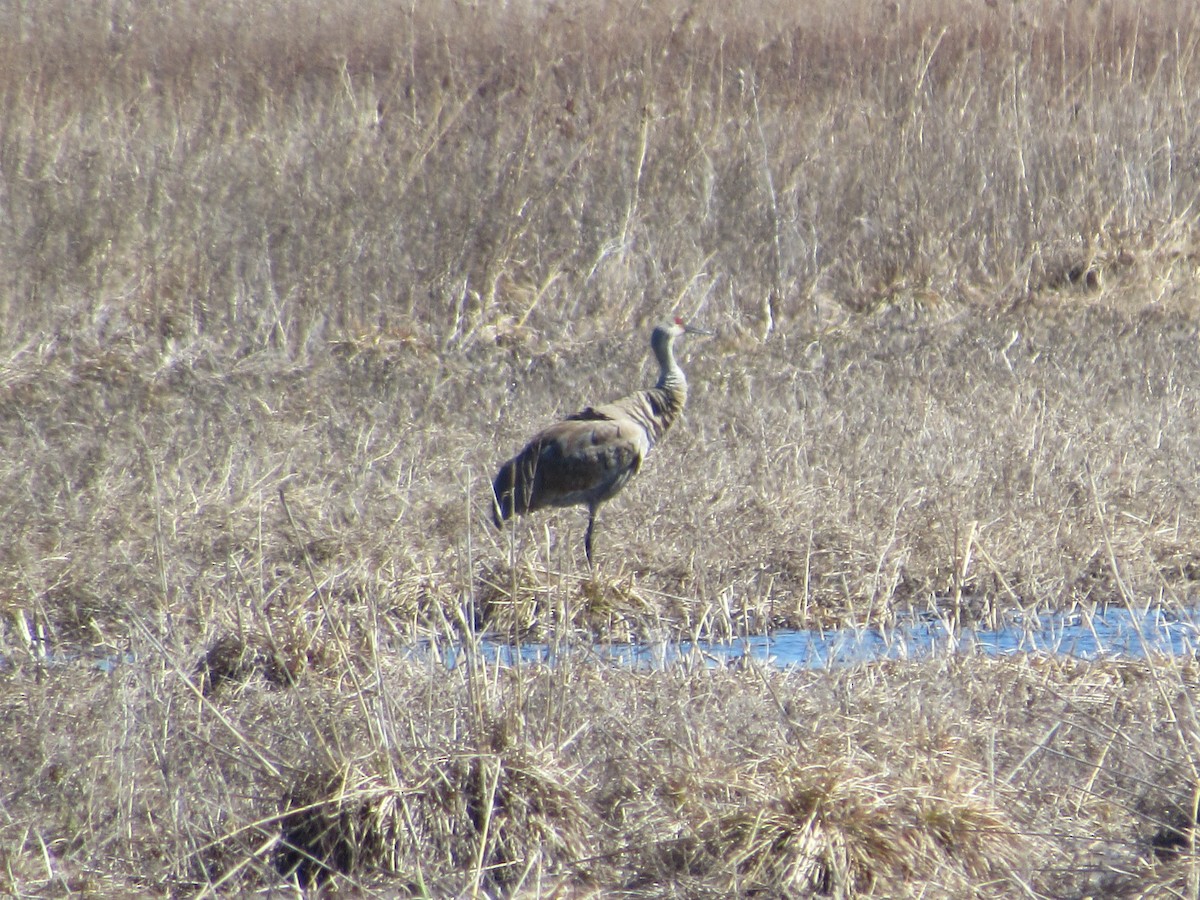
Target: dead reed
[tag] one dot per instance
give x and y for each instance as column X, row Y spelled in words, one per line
column 281, row 284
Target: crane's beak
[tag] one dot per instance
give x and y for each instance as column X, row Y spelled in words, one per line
column 692, row 329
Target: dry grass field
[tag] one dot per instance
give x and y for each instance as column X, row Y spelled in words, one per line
column 282, row 283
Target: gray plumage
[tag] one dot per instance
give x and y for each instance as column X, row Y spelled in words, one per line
column 588, row 457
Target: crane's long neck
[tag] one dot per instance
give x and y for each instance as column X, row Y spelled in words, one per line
column 670, row 376
column 666, row 399
column 656, row 409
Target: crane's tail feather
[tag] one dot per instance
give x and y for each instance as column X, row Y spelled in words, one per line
column 504, row 488
column 515, row 487
column 501, row 501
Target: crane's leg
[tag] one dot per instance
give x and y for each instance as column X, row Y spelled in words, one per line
column 587, row 538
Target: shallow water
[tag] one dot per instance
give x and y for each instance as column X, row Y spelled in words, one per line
column 1100, row 633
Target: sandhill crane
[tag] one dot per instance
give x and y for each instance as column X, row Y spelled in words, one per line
column 588, row 457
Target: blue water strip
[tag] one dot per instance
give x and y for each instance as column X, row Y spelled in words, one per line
column 1102, row 633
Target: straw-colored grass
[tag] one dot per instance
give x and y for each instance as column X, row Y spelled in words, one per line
column 281, row 284
column 959, row 776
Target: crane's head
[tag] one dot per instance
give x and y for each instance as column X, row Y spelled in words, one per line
column 670, row 376
column 668, row 331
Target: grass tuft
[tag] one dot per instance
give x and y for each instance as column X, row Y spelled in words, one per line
column 340, row 824
column 233, row 660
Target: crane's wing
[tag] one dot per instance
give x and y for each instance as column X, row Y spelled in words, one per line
column 583, row 459
column 587, row 460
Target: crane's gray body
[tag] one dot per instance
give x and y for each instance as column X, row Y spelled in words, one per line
column 588, row 457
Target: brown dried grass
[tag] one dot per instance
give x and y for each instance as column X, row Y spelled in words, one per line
column 957, row 776
column 281, row 284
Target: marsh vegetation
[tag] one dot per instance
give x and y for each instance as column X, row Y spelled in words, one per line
column 281, row 284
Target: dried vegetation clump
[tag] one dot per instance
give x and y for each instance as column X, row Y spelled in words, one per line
column 958, row 776
column 281, row 284
column 335, row 824
column 801, row 828
column 234, row 659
